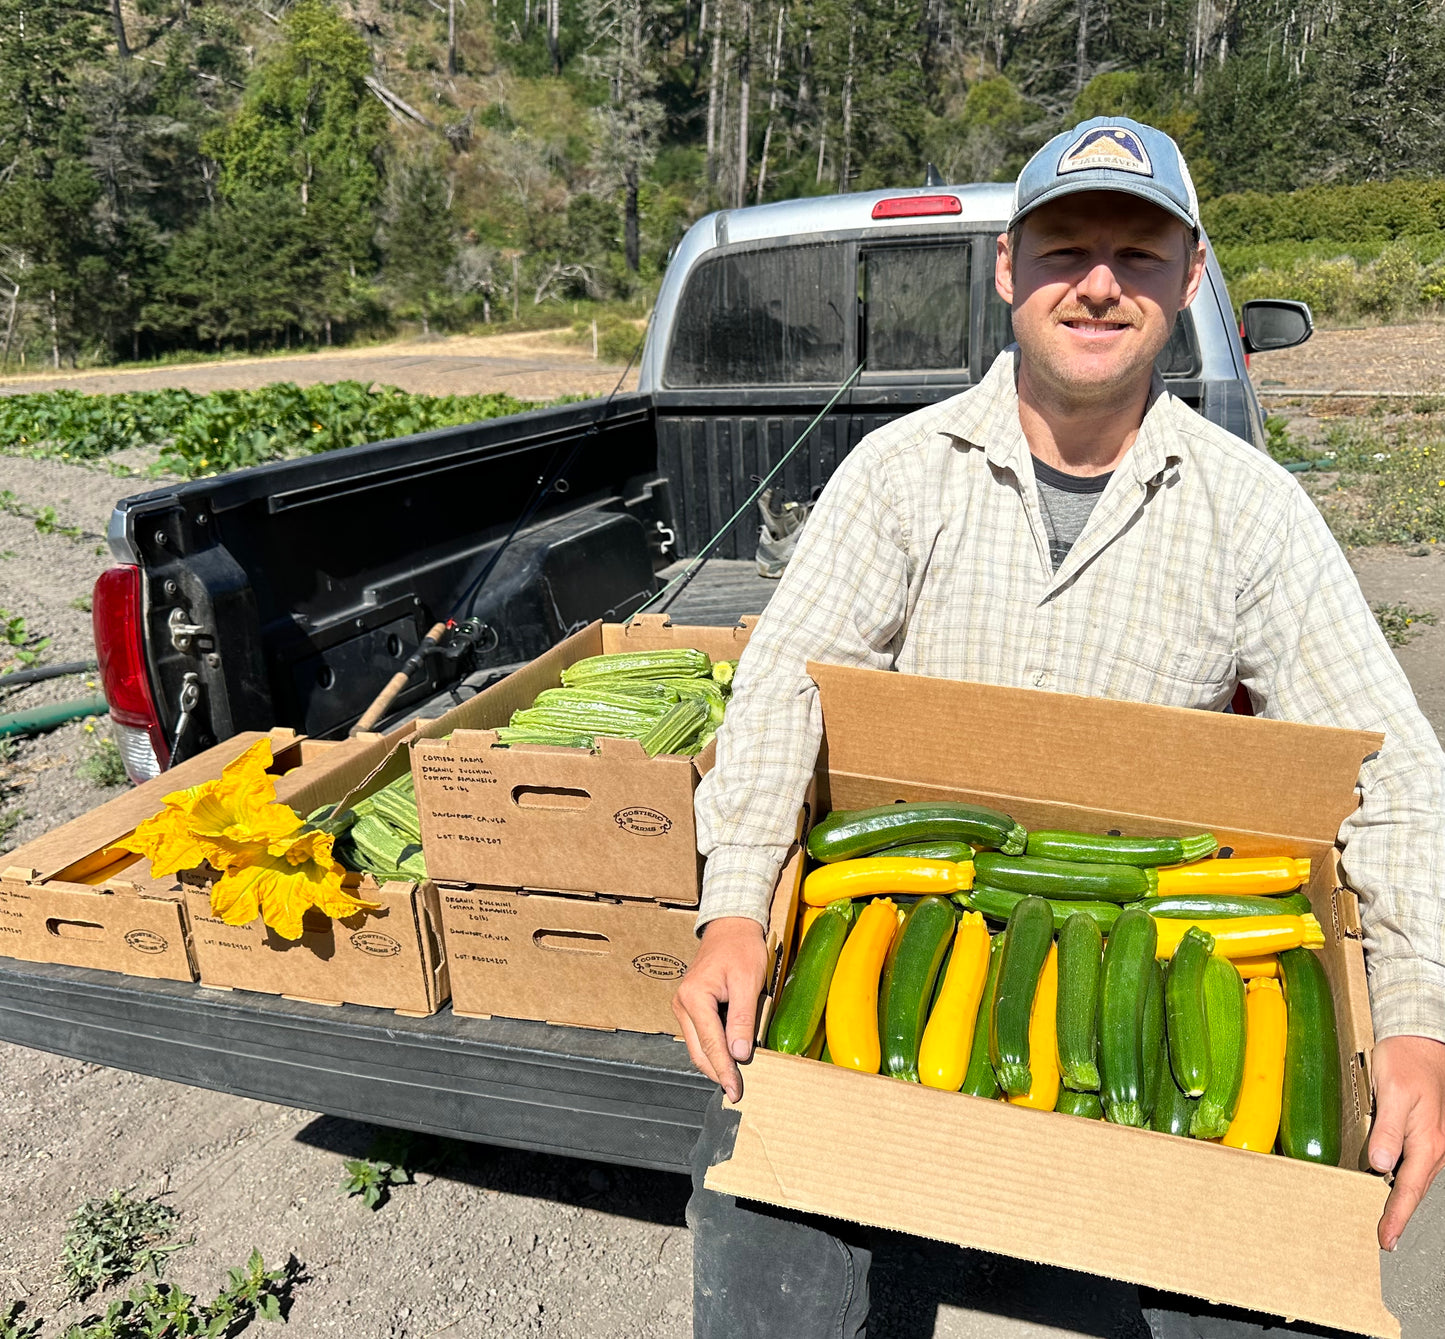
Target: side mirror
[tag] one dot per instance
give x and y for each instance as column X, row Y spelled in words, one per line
column 1275, row 323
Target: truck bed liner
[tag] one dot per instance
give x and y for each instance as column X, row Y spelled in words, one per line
column 613, row 1096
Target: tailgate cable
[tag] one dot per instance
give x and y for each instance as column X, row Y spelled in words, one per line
column 683, row 579
column 469, row 630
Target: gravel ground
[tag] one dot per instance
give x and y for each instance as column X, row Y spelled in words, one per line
column 485, row 1241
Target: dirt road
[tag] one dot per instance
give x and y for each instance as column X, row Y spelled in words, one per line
column 487, row 1241
column 535, row 366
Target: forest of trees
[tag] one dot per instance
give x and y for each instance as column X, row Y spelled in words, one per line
column 179, row 174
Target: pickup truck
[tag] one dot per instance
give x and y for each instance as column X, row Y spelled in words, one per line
column 289, row 594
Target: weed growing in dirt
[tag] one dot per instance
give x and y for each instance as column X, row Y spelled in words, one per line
column 391, row 1160
column 25, row 649
column 154, row 1310
column 81, row 602
column 1397, row 622
column 103, row 766
column 12, row 1326
column 44, row 519
column 112, row 1238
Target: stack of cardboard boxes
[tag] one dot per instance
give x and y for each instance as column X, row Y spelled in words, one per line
column 569, row 878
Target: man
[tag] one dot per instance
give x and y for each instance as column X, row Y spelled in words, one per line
column 1065, row 525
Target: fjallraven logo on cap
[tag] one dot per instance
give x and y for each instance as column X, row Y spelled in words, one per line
column 1107, row 146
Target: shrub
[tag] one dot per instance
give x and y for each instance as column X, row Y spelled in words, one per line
column 1374, row 211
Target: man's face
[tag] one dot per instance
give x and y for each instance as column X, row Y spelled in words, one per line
column 1095, row 281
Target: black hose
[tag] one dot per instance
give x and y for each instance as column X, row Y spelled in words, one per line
column 42, row 672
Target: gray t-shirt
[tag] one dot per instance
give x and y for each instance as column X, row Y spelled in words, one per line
column 1066, row 501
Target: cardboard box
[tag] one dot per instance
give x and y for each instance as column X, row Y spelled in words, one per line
column 389, row 959
column 588, row 962
column 69, row 897
column 613, row 821
column 1147, row 1208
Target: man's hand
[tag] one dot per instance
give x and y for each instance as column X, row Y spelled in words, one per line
column 1409, row 1118
column 731, row 963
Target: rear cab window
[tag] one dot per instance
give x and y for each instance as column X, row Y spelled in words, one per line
column 797, row 314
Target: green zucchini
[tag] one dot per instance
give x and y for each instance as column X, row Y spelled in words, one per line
column 1309, row 1120
column 1086, row 1105
column 928, row 851
column 997, row 905
column 1222, row 906
column 1184, row 1006
column 1030, row 933
column 1154, row 1045
column 1224, row 1016
column 849, row 833
column 909, row 976
column 805, row 992
column 1081, row 946
column 1123, row 993
column 1065, row 879
column 1173, row 1110
column 1106, row 850
column 978, row 1078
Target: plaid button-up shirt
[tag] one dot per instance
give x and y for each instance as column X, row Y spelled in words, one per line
column 1204, row 564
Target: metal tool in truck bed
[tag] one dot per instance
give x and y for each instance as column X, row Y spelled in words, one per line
column 290, row 593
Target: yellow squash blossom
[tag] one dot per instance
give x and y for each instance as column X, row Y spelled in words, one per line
column 281, row 885
column 213, row 821
column 268, row 863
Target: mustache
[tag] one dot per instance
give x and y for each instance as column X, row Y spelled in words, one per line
column 1114, row 314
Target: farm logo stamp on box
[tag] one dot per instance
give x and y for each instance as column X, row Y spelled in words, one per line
column 643, row 822
column 659, row 966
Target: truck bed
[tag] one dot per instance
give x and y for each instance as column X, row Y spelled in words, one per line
column 621, row 1097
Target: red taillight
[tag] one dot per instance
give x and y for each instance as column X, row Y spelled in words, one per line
column 120, row 650
column 911, row 206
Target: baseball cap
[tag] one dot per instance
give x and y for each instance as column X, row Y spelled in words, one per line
column 1109, row 154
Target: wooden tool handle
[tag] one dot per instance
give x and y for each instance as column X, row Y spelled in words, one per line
column 397, row 682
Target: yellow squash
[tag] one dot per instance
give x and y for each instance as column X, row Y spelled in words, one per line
column 1249, row 876
column 948, row 1038
column 873, row 875
column 1244, row 936
column 1256, row 1118
column 1044, row 1069
column 1252, row 968
column 851, row 1019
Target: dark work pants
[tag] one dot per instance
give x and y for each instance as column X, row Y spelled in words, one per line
column 765, row 1273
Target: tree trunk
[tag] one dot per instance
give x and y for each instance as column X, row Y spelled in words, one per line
column 516, row 286
column 745, row 88
column 631, row 249
column 845, row 167
column 451, row 36
column 118, row 21
column 54, row 332
column 822, row 135
column 554, row 34
column 772, row 103
column 712, row 86
column 1081, row 47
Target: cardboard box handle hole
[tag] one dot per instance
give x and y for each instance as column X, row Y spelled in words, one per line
column 550, row 797
column 63, row 929
column 571, row 941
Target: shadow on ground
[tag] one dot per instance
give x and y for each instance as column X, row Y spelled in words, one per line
column 911, row 1278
